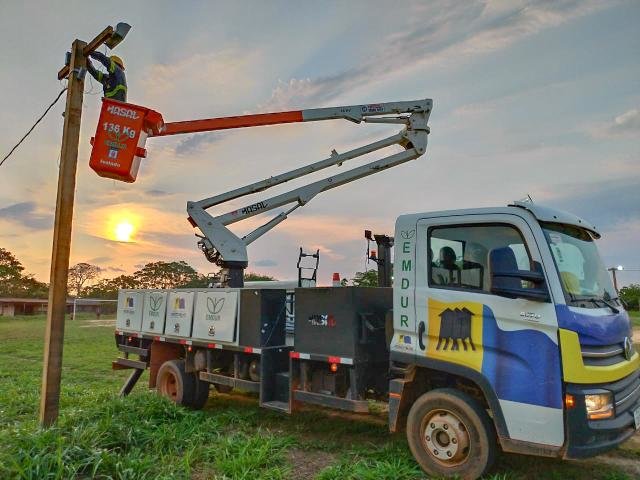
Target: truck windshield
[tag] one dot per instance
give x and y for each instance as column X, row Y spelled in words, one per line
column 584, row 278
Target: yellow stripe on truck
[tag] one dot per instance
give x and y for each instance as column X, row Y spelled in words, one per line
column 575, row 371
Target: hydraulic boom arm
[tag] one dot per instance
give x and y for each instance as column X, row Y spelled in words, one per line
column 223, row 247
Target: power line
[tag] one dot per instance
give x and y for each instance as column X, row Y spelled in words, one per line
column 34, row 125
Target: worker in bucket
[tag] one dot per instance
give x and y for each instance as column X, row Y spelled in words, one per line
column 114, row 82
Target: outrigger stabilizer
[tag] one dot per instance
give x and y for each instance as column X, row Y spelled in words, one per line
column 226, row 249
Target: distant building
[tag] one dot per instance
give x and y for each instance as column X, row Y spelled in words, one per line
column 10, row 307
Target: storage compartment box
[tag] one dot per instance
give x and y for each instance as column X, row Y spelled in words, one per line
column 130, row 306
column 154, row 312
column 262, row 317
column 179, row 313
column 342, row 322
column 215, row 316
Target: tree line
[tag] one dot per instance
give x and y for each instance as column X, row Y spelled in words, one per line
column 84, row 279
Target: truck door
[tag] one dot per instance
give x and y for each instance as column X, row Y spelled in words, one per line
column 510, row 342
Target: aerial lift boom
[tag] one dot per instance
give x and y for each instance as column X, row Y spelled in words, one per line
column 227, row 250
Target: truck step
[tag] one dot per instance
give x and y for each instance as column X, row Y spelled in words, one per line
column 143, row 352
column 398, row 368
column 277, row 405
column 358, row 406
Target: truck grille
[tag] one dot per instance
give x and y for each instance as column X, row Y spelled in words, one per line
column 626, row 392
column 603, row 355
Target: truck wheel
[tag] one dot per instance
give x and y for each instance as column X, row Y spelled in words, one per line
column 175, row 384
column 254, row 370
column 449, row 434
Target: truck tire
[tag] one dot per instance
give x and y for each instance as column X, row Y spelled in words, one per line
column 175, row 384
column 450, row 434
column 201, row 394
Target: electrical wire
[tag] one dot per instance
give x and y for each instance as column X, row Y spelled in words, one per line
column 34, row 125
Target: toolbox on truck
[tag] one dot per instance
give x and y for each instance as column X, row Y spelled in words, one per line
column 261, row 314
column 342, row 321
column 179, row 313
column 262, row 317
column 129, row 314
column 215, row 315
column 154, row 312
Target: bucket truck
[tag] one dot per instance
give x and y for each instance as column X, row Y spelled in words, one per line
column 501, row 330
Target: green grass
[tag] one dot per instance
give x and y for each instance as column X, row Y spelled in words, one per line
column 143, row 436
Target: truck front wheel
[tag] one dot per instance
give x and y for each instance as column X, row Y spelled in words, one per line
column 449, row 434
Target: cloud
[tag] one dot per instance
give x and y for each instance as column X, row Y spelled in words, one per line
column 157, row 193
column 626, row 124
column 201, row 83
column 196, row 142
column 445, row 33
column 27, row 215
column 100, row 260
column 606, row 203
column 265, row 263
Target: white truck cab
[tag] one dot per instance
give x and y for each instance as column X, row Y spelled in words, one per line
column 514, row 302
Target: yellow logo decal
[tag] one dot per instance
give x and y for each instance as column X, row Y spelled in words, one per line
column 455, row 332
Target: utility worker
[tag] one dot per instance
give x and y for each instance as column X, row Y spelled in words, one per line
column 114, row 82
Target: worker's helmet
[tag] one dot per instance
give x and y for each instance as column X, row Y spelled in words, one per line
column 118, row 61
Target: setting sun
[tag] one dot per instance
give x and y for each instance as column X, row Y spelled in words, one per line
column 123, row 231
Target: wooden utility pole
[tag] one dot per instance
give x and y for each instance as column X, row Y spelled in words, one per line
column 51, row 373
column 62, row 239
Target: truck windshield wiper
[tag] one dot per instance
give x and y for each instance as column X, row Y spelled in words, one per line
column 610, row 305
column 594, row 300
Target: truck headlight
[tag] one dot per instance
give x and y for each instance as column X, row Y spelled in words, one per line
column 599, row 405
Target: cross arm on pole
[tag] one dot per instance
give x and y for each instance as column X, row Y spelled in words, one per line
column 89, row 47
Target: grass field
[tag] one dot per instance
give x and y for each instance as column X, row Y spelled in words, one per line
column 101, row 436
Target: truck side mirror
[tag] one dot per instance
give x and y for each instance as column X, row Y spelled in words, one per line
column 506, row 278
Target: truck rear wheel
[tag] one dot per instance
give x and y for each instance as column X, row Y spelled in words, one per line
column 449, row 434
column 183, row 388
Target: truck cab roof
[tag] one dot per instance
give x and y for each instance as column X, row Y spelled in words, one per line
column 539, row 212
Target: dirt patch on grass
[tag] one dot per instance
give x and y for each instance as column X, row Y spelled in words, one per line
column 306, row 464
column 628, row 465
column 98, row 323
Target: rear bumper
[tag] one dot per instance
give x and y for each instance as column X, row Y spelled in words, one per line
column 587, row 438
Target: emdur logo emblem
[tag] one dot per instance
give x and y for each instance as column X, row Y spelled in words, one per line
column 455, row 326
column 155, row 302
column 214, row 305
column 407, row 234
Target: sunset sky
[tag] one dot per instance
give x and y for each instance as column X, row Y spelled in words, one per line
column 538, row 98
